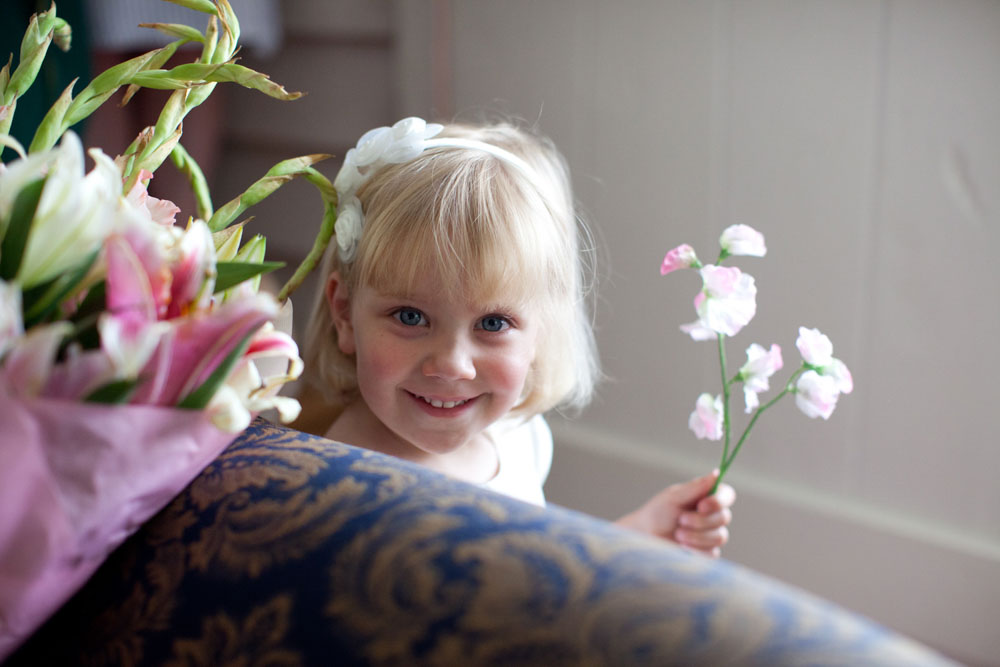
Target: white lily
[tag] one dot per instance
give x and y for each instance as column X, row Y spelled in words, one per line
column 74, row 214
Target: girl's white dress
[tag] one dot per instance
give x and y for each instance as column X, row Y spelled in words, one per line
column 524, row 449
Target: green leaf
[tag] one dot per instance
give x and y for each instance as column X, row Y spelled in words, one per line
column 197, row 73
column 15, row 237
column 54, row 292
column 205, row 6
column 200, row 397
column 276, row 176
column 233, row 273
column 180, row 30
column 53, row 125
column 113, row 393
column 196, row 179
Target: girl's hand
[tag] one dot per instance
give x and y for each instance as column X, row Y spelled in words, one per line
column 685, row 514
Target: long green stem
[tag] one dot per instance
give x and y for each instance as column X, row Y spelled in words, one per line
column 727, row 462
column 725, row 396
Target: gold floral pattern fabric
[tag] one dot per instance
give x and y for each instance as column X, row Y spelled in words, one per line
column 293, row 550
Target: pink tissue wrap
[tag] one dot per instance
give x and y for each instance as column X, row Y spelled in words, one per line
column 77, row 479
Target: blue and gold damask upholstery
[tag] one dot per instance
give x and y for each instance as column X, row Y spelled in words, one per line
column 294, row 550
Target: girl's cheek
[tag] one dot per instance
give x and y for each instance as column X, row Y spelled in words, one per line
column 383, row 359
column 513, row 369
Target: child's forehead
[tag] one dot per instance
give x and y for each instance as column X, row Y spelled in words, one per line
column 481, row 298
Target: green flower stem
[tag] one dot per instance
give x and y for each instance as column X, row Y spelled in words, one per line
column 196, row 178
column 43, row 29
column 329, row 195
column 726, row 463
column 725, row 396
column 276, row 176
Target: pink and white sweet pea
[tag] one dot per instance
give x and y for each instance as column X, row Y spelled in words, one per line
column 706, row 420
column 760, row 366
column 742, row 240
column 815, row 348
column 816, row 395
column 727, row 301
column 827, row 377
column 681, row 257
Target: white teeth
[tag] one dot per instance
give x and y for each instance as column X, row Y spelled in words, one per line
column 443, row 404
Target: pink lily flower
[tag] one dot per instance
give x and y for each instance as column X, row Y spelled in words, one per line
column 195, row 345
column 271, row 360
column 161, row 211
column 193, row 272
column 29, row 361
column 79, row 374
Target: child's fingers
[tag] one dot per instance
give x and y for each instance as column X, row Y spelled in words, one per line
column 702, row 540
column 723, row 497
column 698, row 521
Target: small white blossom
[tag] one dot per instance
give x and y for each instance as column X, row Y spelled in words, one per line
column 743, row 240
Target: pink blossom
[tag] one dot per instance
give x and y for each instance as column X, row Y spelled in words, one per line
column 195, row 345
column 817, row 351
column 160, row 211
column 816, row 348
column 760, row 366
column 271, row 360
column 193, row 270
column 842, row 376
column 706, row 420
column 816, row 395
column 728, row 300
column 742, row 240
column 698, row 331
column 681, row 257
column 79, row 374
column 29, row 361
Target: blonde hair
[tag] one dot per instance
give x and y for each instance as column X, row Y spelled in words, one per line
column 488, row 229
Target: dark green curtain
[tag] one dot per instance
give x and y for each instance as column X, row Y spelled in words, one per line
column 58, row 69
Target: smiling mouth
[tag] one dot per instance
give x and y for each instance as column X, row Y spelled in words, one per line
column 447, row 405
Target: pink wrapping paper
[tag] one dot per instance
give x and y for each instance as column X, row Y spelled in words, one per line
column 75, row 481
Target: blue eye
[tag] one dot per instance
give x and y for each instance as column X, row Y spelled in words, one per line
column 411, row 317
column 494, row 323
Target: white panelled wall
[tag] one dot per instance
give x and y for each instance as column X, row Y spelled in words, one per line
column 861, row 137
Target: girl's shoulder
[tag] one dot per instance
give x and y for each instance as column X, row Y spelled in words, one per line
column 524, row 448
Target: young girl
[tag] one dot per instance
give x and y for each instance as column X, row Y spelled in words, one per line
column 454, row 315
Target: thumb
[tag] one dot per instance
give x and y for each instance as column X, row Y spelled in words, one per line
column 687, row 494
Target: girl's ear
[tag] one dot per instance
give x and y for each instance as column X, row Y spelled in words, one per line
column 339, row 302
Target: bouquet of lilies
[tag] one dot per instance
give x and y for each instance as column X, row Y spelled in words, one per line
column 132, row 348
column 725, row 304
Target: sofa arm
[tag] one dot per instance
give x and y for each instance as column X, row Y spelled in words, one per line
column 294, row 550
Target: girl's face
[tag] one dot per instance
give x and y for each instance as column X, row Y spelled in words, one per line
column 434, row 369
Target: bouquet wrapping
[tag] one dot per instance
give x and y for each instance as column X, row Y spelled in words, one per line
column 66, row 508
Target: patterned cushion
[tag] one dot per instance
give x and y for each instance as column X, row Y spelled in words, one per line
column 293, row 550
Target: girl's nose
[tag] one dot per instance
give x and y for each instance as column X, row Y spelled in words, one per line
column 450, row 359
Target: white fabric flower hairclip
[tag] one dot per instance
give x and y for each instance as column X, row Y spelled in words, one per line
column 376, row 148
